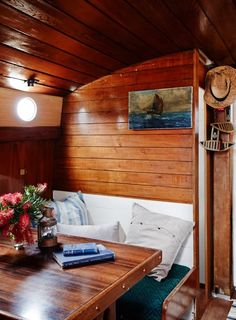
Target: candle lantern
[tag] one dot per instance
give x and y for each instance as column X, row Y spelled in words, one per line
column 47, row 229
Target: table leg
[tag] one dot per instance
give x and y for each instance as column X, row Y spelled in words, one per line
column 100, row 317
column 110, row 313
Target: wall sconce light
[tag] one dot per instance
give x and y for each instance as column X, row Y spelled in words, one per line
column 31, row 82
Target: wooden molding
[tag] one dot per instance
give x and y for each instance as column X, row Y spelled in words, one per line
column 29, row 133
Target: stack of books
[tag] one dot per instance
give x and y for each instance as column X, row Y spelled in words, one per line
column 81, row 254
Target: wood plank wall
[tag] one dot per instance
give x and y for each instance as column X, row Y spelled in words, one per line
column 48, row 109
column 27, row 156
column 27, row 145
column 98, row 153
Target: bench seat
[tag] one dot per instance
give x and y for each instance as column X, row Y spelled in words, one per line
column 144, row 301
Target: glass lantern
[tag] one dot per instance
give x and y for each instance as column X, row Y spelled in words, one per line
column 47, row 229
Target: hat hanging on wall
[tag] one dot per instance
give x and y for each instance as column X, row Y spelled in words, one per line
column 220, row 87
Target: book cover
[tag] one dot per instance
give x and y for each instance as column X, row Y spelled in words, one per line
column 76, row 249
column 71, row 261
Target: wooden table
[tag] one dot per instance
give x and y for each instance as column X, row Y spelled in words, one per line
column 34, row 287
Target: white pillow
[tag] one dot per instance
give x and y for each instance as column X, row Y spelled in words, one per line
column 108, row 231
column 158, row 231
column 72, row 210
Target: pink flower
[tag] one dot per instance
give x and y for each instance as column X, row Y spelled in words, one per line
column 5, row 230
column 16, row 231
column 26, row 206
column 16, row 213
column 21, row 231
column 17, row 197
column 4, row 200
column 24, row 221
column 5, row 216
column 11, row 199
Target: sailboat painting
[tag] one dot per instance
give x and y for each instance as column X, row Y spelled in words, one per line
column 160, row 108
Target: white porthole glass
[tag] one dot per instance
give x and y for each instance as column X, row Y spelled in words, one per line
column 27, row 109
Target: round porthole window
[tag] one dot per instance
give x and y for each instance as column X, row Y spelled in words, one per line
column 27, row 109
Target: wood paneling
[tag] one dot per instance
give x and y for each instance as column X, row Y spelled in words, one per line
column 158, row 141
column 10, row 179
column 222, row 195
column 34, row 157
column 97, row 153
column 22, row 134
column 219, row 307
column 150, row 153
column 30, row 149
column 48, row 109
column 222, row 215
column 67, row 44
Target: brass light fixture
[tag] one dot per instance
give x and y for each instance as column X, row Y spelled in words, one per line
column 31, row 82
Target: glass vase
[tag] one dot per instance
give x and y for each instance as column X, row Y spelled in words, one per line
column 18, row 245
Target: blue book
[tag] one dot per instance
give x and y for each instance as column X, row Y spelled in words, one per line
column 77, row 249
column 71, row 261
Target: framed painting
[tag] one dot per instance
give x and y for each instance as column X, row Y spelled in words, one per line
column 161, row 108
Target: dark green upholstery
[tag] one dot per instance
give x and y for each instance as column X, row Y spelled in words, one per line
column 144, row 300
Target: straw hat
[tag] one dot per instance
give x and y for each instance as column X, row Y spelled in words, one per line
column 220, row 87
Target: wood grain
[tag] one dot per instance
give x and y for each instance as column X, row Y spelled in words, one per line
column 144, row 153
column 46, row 116
column 132, row 190
column 166, row 167
column 49, row 53
column 222, row 222
column 41, row 287
column 97, row 153
column 181, row 298
column 35, row 133
column 59, row 43
column 36, row 29
column 141, row 141
column 168, row 180
column 192, row 11
column 217, row 306
column 31, row 149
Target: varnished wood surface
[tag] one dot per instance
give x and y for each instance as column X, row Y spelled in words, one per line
column 98, row 153
column 222, row 215
column 8, row 134
column 66, row 44
column 30, row 149
column 217, row 308
column 33, row 286
column 222, row 218
column 49, row 109
column 182, row 296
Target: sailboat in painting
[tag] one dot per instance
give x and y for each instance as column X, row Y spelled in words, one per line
column 157, row 106
column 160, row 109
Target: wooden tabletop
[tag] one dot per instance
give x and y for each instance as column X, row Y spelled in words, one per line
column 33, row 286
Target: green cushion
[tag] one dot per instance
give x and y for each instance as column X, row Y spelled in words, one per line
column 144, row 300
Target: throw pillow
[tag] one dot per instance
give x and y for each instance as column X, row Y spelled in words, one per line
column 72, row 210
column 158, row 231
column 108, row 231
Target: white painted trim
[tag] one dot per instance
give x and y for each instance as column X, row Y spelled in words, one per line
column 202, row 185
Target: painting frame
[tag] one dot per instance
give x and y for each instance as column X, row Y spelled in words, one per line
column 167, row 108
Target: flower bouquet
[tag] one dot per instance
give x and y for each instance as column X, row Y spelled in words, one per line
column 18, row 211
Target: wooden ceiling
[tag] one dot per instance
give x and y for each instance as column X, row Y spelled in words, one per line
column 68, row 43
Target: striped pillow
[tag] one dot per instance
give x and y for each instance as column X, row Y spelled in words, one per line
column 72, row 210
